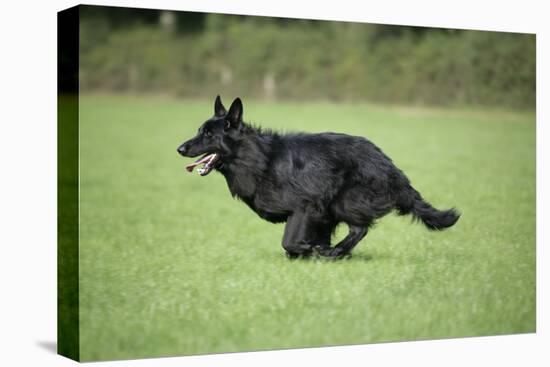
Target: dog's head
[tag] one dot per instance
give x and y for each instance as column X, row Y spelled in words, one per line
column 216, row 138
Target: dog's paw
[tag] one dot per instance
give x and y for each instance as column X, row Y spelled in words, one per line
column 321, row 250
column 336, row 252
column 333, row 252
column 291, row 255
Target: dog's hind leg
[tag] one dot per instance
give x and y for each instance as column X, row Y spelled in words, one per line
column 303, row 232
column 344, row 247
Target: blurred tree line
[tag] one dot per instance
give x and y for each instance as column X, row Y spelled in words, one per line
column 201, row 55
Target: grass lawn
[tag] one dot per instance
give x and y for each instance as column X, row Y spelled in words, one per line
column 170, row 264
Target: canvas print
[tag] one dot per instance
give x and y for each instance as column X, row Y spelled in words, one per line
column 232, row 183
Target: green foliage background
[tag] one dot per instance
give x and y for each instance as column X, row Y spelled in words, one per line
column 201, row 55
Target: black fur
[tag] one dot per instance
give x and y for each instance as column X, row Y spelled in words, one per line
column 312, row 182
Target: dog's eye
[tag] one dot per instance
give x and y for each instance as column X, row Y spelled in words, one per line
column 208, row 133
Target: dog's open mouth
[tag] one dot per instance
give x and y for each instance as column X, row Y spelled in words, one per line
column 208, row 161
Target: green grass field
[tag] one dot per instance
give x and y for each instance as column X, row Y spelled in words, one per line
column 170, row 264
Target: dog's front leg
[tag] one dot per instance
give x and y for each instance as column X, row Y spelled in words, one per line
column 303, row 232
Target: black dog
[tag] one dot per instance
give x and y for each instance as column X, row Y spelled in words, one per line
column 312, row 182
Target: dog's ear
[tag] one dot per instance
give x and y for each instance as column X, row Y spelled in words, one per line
column 219, row 109
column 235, row 114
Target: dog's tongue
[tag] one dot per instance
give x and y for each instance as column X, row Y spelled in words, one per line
column 207, row 160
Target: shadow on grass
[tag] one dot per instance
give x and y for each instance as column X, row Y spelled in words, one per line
column 318, row 258
column 361, row 257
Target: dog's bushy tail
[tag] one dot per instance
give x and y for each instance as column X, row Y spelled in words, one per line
column 433, row 219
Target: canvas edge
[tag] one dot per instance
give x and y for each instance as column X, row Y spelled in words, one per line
column 68, row 331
